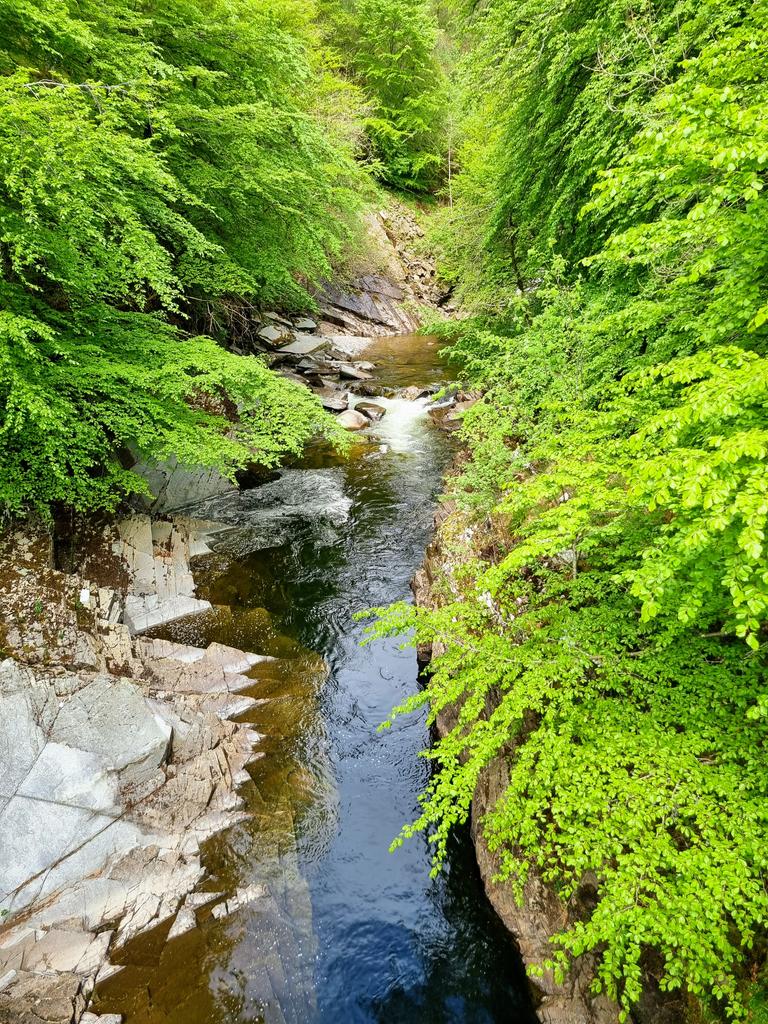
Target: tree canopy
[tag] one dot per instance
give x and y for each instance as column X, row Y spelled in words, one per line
column 390, row 47
column 160, row 165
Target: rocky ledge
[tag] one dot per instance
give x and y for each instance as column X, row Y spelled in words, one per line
column 119, row 757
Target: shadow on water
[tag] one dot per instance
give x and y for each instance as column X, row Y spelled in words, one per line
column 346, row 932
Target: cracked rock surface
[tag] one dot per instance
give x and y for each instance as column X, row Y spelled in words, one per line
column 117, row 757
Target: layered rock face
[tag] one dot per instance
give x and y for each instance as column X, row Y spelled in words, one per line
column 384, row 296
column 118, row 759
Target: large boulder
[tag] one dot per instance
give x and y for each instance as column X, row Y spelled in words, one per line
column 353, row 420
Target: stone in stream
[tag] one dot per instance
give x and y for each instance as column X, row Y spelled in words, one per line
column 332, row 399
column 371, row 410
column 353, row 372
column 414, row 392
column 353, row 420
column 372, row 390
column 449, row 416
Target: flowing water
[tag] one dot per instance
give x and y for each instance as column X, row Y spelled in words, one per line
column 336, row 928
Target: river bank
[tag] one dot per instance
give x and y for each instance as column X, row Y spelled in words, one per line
column 541, row 913
column 278, row 571
column 155, row 722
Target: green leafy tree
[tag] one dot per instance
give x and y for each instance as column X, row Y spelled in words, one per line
column 390, row 48
column 160, row 166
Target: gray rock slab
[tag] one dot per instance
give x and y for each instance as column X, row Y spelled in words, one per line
column 197, row 678
column 230, row 659
column 159, row 649
column 380, row 285
column 144, row 613
column 304, row 344
column 110, row 718
column 7, row 979
column 174, row 486
column 75, row 873
column 59, row 951
column 79, row 778
column 22, row 740
column 38, row 834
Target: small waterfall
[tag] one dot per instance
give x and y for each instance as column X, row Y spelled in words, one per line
column 402, row 427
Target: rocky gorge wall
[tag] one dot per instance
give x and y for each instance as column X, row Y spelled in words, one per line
column 119, row 754
column 542, row 913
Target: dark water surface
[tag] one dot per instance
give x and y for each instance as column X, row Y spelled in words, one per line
column 347, row 931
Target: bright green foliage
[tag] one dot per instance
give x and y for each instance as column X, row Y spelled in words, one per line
column 160, row 166
column 395, row 59
column 553, row 95
column 619, row 474
column 389, row 46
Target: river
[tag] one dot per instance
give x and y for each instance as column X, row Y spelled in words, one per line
column 333, row 927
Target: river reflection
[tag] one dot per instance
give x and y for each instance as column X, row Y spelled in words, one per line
column 346, row 932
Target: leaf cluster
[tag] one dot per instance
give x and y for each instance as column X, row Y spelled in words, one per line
column 160, row 164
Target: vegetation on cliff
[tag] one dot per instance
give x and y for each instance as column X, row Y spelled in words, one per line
column 161, row 165
column 389, row 47
column 608, row 229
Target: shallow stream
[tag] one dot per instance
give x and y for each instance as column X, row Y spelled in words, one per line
column 335, row 929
